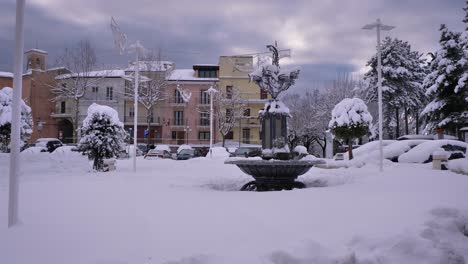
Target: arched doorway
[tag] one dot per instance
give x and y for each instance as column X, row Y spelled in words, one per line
column 65, row 131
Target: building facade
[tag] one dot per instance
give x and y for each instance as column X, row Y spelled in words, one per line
column 233, row 73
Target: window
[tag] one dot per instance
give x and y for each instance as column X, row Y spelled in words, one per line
column 109, row 93
column 229, row 135
column 204, row 119
column 63, row 107
column 204, row 97
column 247, row 112
column 95, row 89
column 204, row 135
column 174, row 134
column 263, row 94
column 38, row 63
column 207, row 74
column 229, row 92
column 131, row 112
column 178, row 97
column 246, row 135
column 179, row 118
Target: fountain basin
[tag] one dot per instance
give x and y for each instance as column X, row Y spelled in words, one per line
column 273, row 174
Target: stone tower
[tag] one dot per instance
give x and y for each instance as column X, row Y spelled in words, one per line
column 35, row 59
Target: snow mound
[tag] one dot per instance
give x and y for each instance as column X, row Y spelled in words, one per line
column 218, row 153
column 367, row 148
column 33, row 150
column 301, row 150
column 458, row 166
column 64, row 150
column 423, row 151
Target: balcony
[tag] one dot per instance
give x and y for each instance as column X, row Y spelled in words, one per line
column 128, row 120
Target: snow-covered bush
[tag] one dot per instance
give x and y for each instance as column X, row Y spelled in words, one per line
column 102, row 133
column 350, row 119
column 26, row 125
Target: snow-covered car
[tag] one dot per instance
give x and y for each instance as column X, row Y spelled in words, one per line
column 49, row 144
column 158, row 153
column 425, row 137
column 185, row 154
column 422, row 153
column 246, row 152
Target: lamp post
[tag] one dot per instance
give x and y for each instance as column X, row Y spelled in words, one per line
column 13, row 187
column 187, row 130
column 380, row 27
column 211, row 92
column 120, row 41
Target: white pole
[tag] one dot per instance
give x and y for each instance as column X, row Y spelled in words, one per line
column 135, row 104
column 211, row 124
column 379, row 80
column 13, row 186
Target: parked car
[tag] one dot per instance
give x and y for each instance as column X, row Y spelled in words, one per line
column 246, row 152
column 158, row 153
column 143, row 147
column 185, row 154
column 49, row 144
column 426, row 137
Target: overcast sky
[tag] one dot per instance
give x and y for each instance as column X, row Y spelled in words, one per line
column 325, row 36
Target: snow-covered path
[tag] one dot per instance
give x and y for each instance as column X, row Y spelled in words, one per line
column 191, row 212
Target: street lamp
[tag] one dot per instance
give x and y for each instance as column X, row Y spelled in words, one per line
column 187, row 130
column 211, row 92
column 379, row 26
column 120, row 41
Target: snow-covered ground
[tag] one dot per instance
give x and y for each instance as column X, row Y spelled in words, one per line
column 190, row 212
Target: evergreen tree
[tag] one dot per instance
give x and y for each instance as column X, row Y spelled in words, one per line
column 26, row 123
column 102, row 133
column 446, row 85
column 402, row 75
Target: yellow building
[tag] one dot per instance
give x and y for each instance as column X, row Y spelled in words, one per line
column 233, row 72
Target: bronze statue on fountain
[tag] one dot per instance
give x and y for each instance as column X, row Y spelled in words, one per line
column 276, row 171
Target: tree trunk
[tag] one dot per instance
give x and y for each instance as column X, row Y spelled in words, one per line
column 397, row 120
column 224, row 139
column 417, row 121
column 148, row 120
column 77, row 114
column 406, row 122
column 324, row 148
column 350, row 146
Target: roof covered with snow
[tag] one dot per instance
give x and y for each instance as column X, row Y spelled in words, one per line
column 6, row 74
column 188, row 75
column 92, row 74
column 152, row 66
column 37, row 50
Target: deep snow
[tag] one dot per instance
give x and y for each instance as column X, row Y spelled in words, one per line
column 191, row 212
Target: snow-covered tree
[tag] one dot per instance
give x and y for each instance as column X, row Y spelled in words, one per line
column 402, row 75
column 155, row 72
column 229, row 108
column 26, row 125
column 446, row 85
column 350, row 120
column 311, row 112
column 103, row 135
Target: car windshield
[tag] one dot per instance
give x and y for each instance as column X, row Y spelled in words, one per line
column 242, row 151
column 187, row 151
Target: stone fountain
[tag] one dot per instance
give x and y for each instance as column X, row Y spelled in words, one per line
column 276, row 170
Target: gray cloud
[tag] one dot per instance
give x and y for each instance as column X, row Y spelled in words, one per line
column 325, row 36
